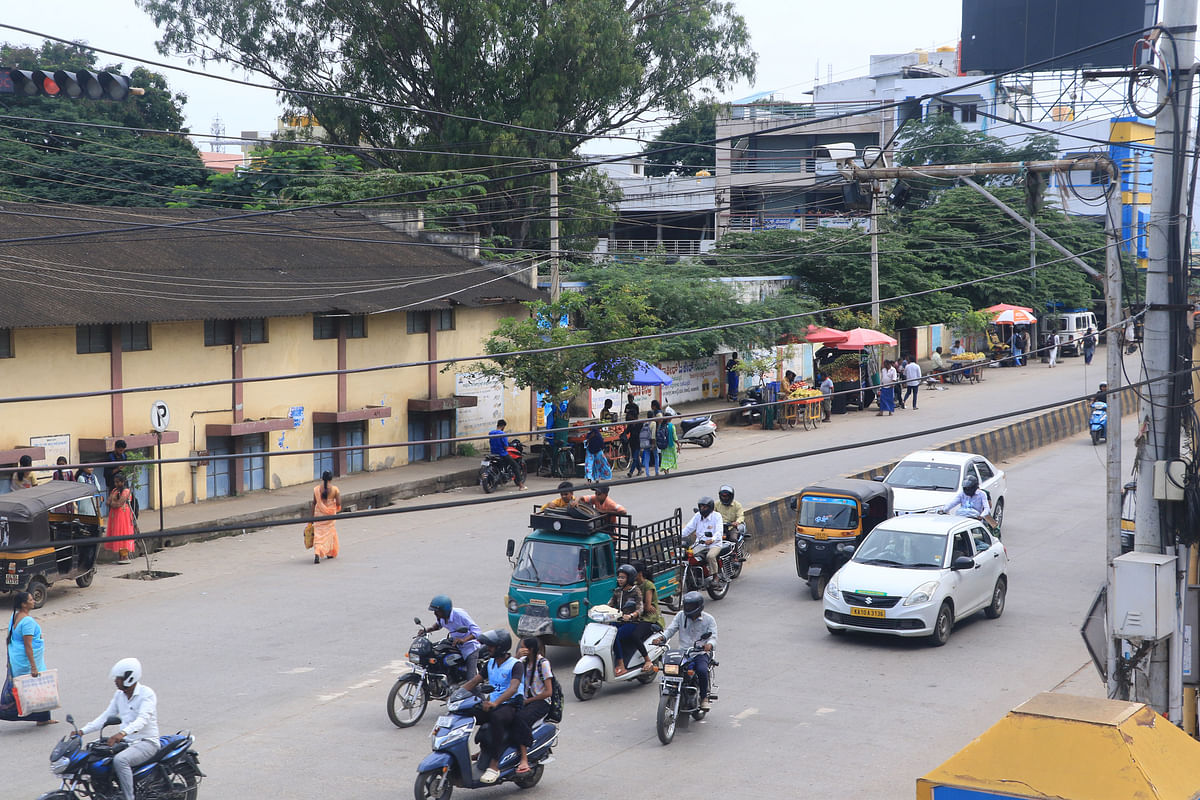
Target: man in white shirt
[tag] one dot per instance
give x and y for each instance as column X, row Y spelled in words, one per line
column 137, row 707
column 912, row 382
column 706, row 529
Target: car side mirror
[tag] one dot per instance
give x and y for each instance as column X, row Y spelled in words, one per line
column 879, row 478
column 510, row 548
column 70, row 720
column 963, row 562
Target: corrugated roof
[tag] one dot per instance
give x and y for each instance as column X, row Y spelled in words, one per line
column 283, row 265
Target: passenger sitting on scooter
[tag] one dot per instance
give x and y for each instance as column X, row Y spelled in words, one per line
column 539, row 685
column 706, row 530
column 971, row 501
column 650, row 613
column 627, row 597
column 691, row 624
column 731, row 510
column 565, row 499
column 506, row 676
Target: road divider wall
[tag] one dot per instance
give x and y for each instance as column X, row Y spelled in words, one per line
column 774, row 522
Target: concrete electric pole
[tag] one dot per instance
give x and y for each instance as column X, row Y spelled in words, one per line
column 555, row 275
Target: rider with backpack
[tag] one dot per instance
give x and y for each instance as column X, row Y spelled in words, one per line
column 541, row 692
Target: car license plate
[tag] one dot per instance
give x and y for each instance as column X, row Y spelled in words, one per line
column 12, row 579
column 444, row 722
column 867, row 612
column 484, row 463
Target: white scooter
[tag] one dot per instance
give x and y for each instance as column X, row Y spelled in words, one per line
column 597, row 662
column 698, row 430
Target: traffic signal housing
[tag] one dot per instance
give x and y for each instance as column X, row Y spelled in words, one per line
column 74, row 85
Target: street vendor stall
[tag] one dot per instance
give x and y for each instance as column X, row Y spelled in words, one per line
column 858, row 373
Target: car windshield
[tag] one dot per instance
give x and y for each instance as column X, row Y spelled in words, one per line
column 550, row 562
column 924, row 475
column 817, row 511
column 903, row 549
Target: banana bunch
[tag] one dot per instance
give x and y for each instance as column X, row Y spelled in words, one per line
column 968, row 356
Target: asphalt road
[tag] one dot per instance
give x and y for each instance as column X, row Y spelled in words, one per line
column 281, row 668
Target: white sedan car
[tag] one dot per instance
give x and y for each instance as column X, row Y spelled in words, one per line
column 916, row 576
column 927, row 479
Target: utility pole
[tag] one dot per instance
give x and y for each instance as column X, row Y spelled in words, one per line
column 1113, row 305
column 1032, row 257
column 555, row 276
column 874, row 233
column 1159, row 411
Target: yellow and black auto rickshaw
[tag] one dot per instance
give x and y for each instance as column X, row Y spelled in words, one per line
column 831, row 520
column 50, row 517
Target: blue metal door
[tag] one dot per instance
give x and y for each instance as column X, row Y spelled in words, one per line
column 323, row 438
column 217, row 477
column 254, row 470
column 356, row 435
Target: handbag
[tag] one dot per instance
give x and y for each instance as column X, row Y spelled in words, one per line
column 8, row 703
column 308, row 536
column 38, row 694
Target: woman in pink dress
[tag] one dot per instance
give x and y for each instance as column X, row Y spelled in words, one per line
column 327, row 501
column 120, row 518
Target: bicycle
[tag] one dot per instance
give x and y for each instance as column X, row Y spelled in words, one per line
column 555, row 461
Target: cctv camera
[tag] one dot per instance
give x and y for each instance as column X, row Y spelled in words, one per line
column 841, row 151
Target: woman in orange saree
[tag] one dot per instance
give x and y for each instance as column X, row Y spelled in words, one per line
column 327, row 501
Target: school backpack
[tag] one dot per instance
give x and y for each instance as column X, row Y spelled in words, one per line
column 555, row 714
column 662, row 436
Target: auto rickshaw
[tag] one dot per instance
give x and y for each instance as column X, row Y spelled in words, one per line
column 831, row 520
column 58, row 512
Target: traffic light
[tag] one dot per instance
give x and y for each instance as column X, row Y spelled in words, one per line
column 79, row 85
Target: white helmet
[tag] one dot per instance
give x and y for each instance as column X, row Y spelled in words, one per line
column 129, row 670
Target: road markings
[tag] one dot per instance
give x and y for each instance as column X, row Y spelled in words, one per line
column 296, row 671
column 749, row 712
column 364, row 684
column 826, row 710
column 326, row 698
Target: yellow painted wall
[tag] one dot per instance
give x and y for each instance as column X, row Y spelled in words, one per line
column 45, row 362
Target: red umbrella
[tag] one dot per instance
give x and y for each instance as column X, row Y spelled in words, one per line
column 817, row 335
column 1001, row 307
column 859, row 338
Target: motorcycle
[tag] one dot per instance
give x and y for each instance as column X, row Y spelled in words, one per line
column 173, row 773
column 698, row 430
column 696, row 576
column 451, row 764
column 751, row 409
column 736, row 534
column 1098, row 425
column 495, row 470
column 598, row 645
column 679, row 692
column 434, row 669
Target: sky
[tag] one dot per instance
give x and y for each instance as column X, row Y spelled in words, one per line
column 795, row 39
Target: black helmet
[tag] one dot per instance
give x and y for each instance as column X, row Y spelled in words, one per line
column 706, row 502
column 693, row 604
column 726, row 490
column 630, row 572
column 498, row 641
column 970, row 484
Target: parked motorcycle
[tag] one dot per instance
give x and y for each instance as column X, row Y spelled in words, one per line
column 173, row 773
column 738, row 536
column 598, row 645
column 751, row 409
column 450, row 763
column 698, row 430
column 1098, row 425
column 679, row 693
column 495, row 471
column 696, row 576
column 434, row 669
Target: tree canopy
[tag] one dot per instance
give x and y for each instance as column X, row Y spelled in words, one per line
column 697, row 123
column 59, row 160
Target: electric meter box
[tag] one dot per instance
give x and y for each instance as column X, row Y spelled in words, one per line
column 1143, row 586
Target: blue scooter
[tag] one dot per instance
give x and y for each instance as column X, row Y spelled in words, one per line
column 1099, row 422
column 450, row 764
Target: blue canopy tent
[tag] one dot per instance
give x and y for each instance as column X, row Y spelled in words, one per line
column 644, row 375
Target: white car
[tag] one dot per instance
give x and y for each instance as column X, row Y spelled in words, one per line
column 927, row 479
column 916, row 576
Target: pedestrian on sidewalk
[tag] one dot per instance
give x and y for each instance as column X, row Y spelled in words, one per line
column 826, row 397
column 887, row 388
column 25, row 657
column 595, row 465
column 91, row 505
column 24, row 477
column 120, row 518
column 1017, row 348
column 912, row 375
column 1089, row 346
column 633, row 431
column 1052, row 348
column 731, row 377
column 114, row 458
column 669, row 456
column 648, row 445
column 61, row 474
column 326, row 502
column 898, row 391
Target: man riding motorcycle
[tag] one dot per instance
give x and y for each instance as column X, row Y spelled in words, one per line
column 137, row 707
column 970, row 501
column 452, row 619
column 506, row 676
column 691, row 624
column 731, row 510
column 706, row 530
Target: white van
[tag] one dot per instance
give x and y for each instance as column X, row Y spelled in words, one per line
column 1071, row 327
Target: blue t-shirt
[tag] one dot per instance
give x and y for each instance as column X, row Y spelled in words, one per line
column 28, row 626
column 501, row 675
column 499, row 442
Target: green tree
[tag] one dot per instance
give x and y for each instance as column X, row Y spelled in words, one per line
column 61, row 161
column 565, row 72
column 697, row 124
